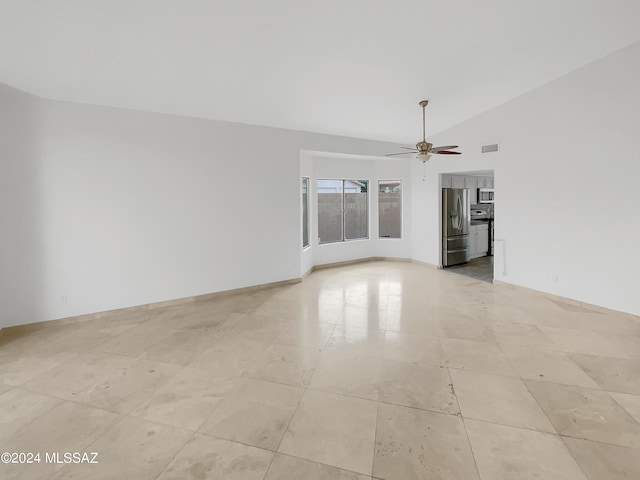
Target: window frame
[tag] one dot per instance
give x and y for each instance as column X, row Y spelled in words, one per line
column 306, row 211
column 343, row 213
column 401, row 209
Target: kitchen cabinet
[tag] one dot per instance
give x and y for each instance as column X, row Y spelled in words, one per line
column 482, row 240
column 468, row 182
column 485, row 182
column 479, row 240
column 472, row 184
column 457, row 182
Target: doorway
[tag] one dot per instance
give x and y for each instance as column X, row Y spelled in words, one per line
column 479, row 189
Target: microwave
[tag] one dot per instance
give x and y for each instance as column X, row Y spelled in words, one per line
column 485, row 195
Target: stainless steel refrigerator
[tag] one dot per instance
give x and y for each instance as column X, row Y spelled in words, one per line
column 455, row 226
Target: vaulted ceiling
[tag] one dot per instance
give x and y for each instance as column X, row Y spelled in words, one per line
column 346, row 67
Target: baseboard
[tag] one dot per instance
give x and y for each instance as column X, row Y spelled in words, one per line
column 149, row 306
column 559, row 298
column 425, row 264
column 236, row 291
column 185, row 300
column 252, row 288
column 341, row 264
column 391, row 259
column 357, row 260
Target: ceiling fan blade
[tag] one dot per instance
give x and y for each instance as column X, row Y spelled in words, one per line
column 448, row 147
column 409, row 148
column 401, row 153
column 445, row 152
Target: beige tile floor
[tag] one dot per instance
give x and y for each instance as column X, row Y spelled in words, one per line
column 380, row 370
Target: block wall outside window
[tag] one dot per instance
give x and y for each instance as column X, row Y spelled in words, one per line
column 390, row 208
column 342, row 210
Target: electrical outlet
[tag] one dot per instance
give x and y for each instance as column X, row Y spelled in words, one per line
column 64, row 298
column 554, row 278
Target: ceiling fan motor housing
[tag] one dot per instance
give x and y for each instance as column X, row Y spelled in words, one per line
column 424, row 146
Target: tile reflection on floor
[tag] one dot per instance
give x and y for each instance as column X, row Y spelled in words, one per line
column 381, row 370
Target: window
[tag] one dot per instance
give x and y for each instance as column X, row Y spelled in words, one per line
column 305, row 212
column 390, row 208
column 342, row 210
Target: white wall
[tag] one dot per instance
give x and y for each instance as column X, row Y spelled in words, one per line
column 567, row 180
column 20, row 201
column 326, row 166
column 131, row 208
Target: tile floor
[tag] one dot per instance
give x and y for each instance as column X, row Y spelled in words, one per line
column 480, row 268
column 381, row 370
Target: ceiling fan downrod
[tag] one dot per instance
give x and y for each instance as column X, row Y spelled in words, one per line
column 424, row 146
column 424, row 104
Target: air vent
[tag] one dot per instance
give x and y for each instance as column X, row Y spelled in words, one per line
column 490, row 148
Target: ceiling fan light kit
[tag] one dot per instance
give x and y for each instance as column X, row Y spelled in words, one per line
column 425, row 149
column 424, row 157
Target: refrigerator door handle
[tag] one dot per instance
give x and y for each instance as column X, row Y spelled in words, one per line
column 458, row 218
column 455, row 220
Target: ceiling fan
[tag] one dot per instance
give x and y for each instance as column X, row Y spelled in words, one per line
column 425, row 149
